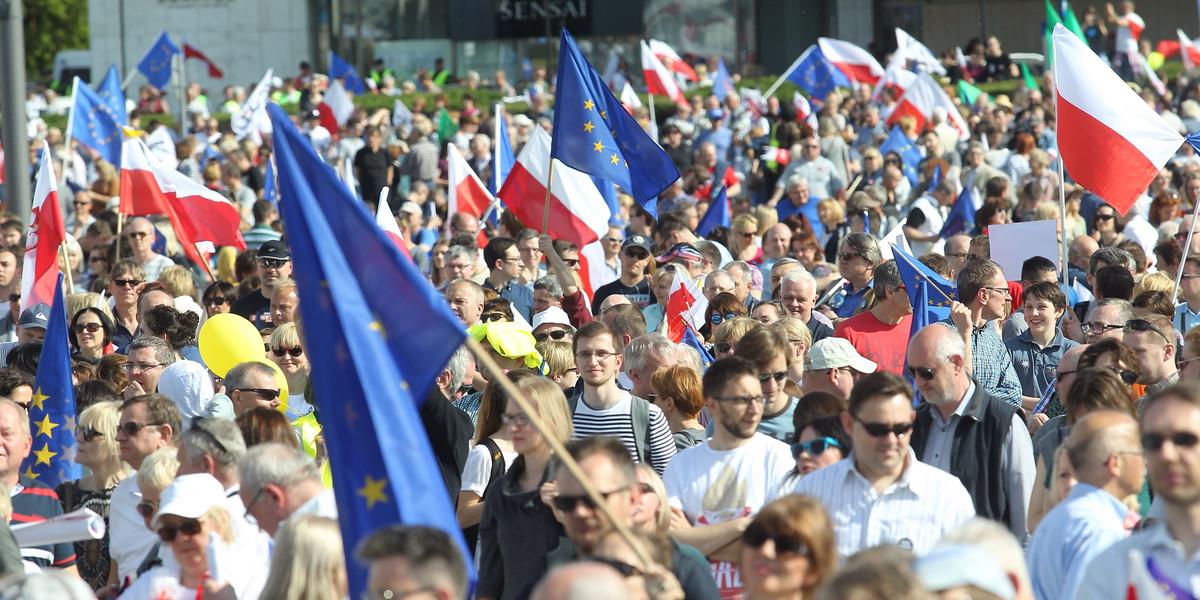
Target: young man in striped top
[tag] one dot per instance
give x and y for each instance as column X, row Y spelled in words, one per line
column 605, row 409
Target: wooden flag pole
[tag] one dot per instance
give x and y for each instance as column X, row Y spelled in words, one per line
column 204, row 263
column 117, row 241
column 549, row 188
column 1064, row 244
column 62, row 248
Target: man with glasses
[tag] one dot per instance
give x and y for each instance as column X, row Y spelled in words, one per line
column 718, row 282
column 1187, row 312
column 719, row 484
column 958, row 249
column 147, row 423
column 833, row 365
column 141, row 240
column 857, row 259
column 251, row 385
column 1161, row 553
column 126, row 279
column 405, row 561
column 881, row 334
column 881, row 493
column 818, row 171
column 274, row 266
column 961, row 429
column 531, row 255
column 983, row 296
column 148, row 356
column 636, row 253
column 503, row 258
column 215, row 446
column 771, row 352
column 611, row 244
column 609, row 469
column 1154, row 340
column 279, row 482
column 1106, row 319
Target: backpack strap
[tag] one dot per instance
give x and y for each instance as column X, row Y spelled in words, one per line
column 497, row 460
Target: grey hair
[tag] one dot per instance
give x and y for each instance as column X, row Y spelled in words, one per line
column 218, row 438
column 550, row 284
column 48, row 585
column 239, row 374
column 1111, row 256
column 866, row 245
column 744, row 267
column 796, row 180
column 798, row 275
column 715, row 274
column 162, row 350
column 997, row 541
column 1124, row 308
column 949, row 346
column 458, row 252
column 458, row 366
column 688, row 356
column 886, row 275
column 274, row 463
column 643, row 345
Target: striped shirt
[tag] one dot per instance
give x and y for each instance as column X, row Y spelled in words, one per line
column 34, row 502
column 617, row 422
column 914, row 512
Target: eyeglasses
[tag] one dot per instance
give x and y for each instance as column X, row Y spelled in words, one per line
column 265, row 393
column 747, row 234
column 520, row 420
column 88, row 327
column 1126, row 375
column 599, row 355
column 999, row 290
column 926, row 373
column 294, row 351
column 614, row 240
column 147, row 509
column 847, row 255
column 625, row 569
column 1098, row 328
column 188, row 527
column 1105, row 217
column 131, row 428
column 134, row 367
column 216, row 301
column 880, row 430
column 493, row 317
column 127, row 282
column 814, row 447
column 637, row 254
column 571, row 262
column 742, row 401
column 249, row 517
column 718, row 319
column 756, row 535
column 137, row 235
column 723, row 347
column 957, row 254
column 272, row 263
column 83, row 203
column 568, row 503
column 1144, row 325
column 777, row 376
column 197, row 425
column 1153, row 442
column 87, row 434
column 557, row 334
column 97, row 259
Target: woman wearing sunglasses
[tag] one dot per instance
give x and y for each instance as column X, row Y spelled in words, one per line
column 190, row 510
column 721, row 308
column 218, row 298
column 787, row 550
column 96, row 435
column 91, row 332
column 287, row 352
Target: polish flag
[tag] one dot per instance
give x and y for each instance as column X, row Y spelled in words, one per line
column 45, row 235
column 921, row 98
column 898, row 79
column 629, row 98
column 804, row 111
column 466, row 192
column 1110, row 140
column 658, row 79
column 672, row 60
column 1189, row 51
column 855, row 62
column 190, row 51
column 777, row 155
column 336, row 107
column 578, row 212
column 685, row 304
column 910, row 48
column 387, row 222
column 198, row 215
column 1136, row 25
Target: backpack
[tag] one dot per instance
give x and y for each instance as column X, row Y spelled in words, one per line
column 471, row 534
column 640, row 413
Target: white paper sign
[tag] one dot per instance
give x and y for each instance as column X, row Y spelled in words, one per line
column 1014, row 243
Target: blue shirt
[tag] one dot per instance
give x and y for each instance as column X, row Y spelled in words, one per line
column 991, row 366
column 1037, row 367
column 520, row 296
column 784, row 209
column 1073, row 533
column 850, row 300
column 721, row 139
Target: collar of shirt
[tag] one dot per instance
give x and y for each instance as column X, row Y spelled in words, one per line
column 1027, row 336
column 915, row 483
column 1156, row 537
column 1095, row 494
column 1168, row 380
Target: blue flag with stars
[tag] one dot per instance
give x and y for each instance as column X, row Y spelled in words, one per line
column 156, row 64
column 910, row 157
column 110, row 91
column 935, row 178
column 722, row 83
column 340, row 69
column 94, row 123
column 52, row 410
column 717, row 215
column 594, row 133
column 689, row 339
column 378, row 334
column 270, row 187
column 961, row 218
column 929, row 292
column 813, row 73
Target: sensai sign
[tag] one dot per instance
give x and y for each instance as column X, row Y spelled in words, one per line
column 530, row 18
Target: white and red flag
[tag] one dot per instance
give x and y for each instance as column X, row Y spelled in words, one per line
column 387, row 222
column 578, row 213
column 629, row 98
column 466, row 193
column 921, row 98
column 659, row 80
column 804, row 111
column 851, row 59
column 1188, row 50
column 1110, row 140
column 190, row 51
column 672, row 60
column 897, row 78
column 201, row 217
column 685, row 304
column 336, row 107
column 45, row 235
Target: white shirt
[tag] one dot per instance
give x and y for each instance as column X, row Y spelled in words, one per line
column 914, row 512
column 129, row 538
column 1112, row 571
column 1073, row 533
column 255, row 541
column 932, row 225
column 322, row 505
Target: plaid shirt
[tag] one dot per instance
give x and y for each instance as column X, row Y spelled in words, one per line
column 991, row 365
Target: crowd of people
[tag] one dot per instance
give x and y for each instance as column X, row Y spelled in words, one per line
column 1039, row 443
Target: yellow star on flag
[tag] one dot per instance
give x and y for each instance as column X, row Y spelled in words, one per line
column 589, row 105
column 46, row 426
column 377, row 326
column 604, row 114
column 598, row 146
column 615, row 160
column 588, row 127
column 29, row 473
column 38, row 398
column 372, row 491
column 44, row 455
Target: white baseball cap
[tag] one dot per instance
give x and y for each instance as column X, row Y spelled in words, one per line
column 190, row 496
column 835, row 353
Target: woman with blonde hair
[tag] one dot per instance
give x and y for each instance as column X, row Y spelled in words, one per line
column 728, row 333
column 799, row 340
column 559, row 361
column 745, row 232
column 1154, row 282
column 288, row 353
column 307, row 562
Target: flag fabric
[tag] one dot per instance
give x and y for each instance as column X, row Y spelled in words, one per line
column 156, row 64
column 960, row 58
column 94, row 123
column 804, row 111
column 854, row 61
column 1188, row 50
column 672, row 60
column 378, row 334
column 270, row 185
column 718, row 214
column 197, row 213
column 162, row 146
column 909, row 48
column 46, row 233
column 594, row 135
column 897, row 78
column 961, row 218
column 1044, row 401
column 1110, row 140
column 1081, row 291
column 813, row 73
column 210, row 153
column 1151, row 76
column 629, row 98
column 690, row 340
column 929, row 292
column 465, row 192
column 577, row 211
column 968, row 93
column 190, row 51
column 446, row 127
column 608, row 191
column 895, row 237
column 502, row 154
column 685, row 307
column 659, row 80
column 253, row 114
column 400, row 114
column 722, row 83
column 336, row 107
column 1, row 163
column 754, row 102
column 387, row 222
column 111, row 93
column 934, row 178
column 340, row 69
column 52, row 410
column 909, row 155
column 919, row 100
column 1030, row 82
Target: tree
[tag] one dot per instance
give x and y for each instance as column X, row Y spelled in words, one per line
column 50, row 26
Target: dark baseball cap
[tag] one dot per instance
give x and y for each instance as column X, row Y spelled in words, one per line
column 640, row 241
column 275, row 250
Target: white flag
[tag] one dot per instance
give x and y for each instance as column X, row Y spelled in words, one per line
column 254, row 111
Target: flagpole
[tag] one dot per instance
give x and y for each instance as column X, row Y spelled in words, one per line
column 779, row 82
column 128, row 78
column 204, row 263
column 1187, row 247
column 117, row 242
column 67, row 261
column 177, row 62
column 653, row 121
column 549, row 187
column 1062, row 207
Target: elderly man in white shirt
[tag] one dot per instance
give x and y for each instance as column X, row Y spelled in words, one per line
column 881, row 493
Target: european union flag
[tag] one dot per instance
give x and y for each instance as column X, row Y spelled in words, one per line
column 270, row 187
column 52, row 411
column 593, row 133
column 608, row 191
column 722, row 83
column 929, row 292
column 961, row 217
column 934, row 178
column 503, row 157
column 813, row 73
column 156, row 64
column 94, row 123
column 717, row 215
column 211, row 153
column 340, row 69
column 689, row 339
column 909, row 155
column 379, row 334
column 110, row 91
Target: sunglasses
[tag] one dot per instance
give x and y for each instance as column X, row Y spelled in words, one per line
column 557, row 334
column 637, row 254
column 1153, row 442
column 847, row 256
column 137, row 235
column 294, row 351
column 814, row 447
column 568, row 503
column 188, row 527
column 88, row 327
column 756, row 535
column 880, row 430
column 1144, row 325
column 571, row 262
column 723, row 347
column 1127, row 376
column 614, row 240
column 147, row 510
column 625, row 569
column 493, row 317
column 131, row 428
column 216, row 301
column 718, row 319
column 127, row 282
column 778, row 376
column 265, row 393
column 925, row 373
column 271, row 263
column 87, row 434
column 1103, row 217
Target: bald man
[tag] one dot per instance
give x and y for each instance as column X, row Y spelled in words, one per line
column 1079, row 258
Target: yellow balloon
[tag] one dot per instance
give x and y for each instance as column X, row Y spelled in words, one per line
column 228, row 340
